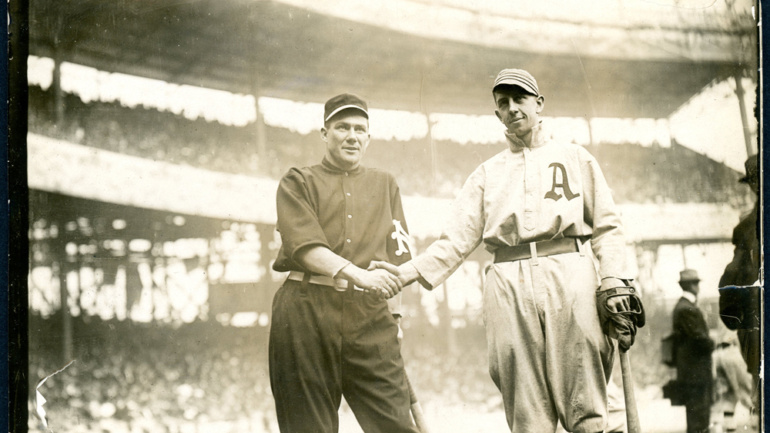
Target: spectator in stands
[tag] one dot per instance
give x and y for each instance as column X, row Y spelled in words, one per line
column 693, row 347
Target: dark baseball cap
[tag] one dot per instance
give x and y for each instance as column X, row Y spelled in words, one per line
column 342, row 102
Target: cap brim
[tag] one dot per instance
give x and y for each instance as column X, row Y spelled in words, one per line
column 346, row 107
column 517, row 83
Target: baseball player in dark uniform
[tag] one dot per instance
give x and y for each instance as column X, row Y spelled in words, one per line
column 328, row 337
column 693, row 348
column 535, row 206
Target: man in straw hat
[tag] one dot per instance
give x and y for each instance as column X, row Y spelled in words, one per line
column 692, row 354
column 328, row 338
column 536, row 205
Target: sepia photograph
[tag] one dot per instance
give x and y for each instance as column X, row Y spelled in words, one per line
column 362, row 216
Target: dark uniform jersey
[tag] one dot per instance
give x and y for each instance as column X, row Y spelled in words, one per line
column 357, row 214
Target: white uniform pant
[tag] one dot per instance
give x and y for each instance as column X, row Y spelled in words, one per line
column 547, row 352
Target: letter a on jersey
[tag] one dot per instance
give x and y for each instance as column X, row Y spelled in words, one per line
column 401, row 237
column 564, row 184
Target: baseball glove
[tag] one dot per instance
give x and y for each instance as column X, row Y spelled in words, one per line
column 620, row 324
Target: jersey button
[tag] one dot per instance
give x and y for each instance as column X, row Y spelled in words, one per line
column 350, row 216
column 347, row 194
column 348, row 240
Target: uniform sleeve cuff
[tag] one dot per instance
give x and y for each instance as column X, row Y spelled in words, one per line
column 336, row 270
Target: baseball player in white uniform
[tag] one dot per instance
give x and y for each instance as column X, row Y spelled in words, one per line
column 536, row 205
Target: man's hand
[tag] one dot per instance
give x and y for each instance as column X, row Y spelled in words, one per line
column 379, row 264
column 618, row 304
column 375, row 279
column 620, row 311
column 406, row 273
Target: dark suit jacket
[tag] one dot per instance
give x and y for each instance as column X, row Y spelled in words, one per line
column 739, row 307
column 693, row 346
column 743, row 270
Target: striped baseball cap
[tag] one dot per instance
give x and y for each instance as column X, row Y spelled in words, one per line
column 344, row 102
column 517, row 77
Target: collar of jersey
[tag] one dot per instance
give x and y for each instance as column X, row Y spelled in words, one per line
column 539, row 138
column 328, row 166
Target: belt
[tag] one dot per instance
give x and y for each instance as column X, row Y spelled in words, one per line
column 537, row 249
column 339, row 284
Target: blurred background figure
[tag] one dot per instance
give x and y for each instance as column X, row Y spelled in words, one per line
column 732, row 386
column 693, row 347
column 739, row 306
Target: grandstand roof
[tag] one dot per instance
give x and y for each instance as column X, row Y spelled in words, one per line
column 301, row 53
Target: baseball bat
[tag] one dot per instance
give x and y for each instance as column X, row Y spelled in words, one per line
column 632, row 415
column 417, row 414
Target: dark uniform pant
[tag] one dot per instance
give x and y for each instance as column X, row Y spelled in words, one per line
column 325, row 344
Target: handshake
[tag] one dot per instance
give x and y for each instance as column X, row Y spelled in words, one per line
column 380, row 277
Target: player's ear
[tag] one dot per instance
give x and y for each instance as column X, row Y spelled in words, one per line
column 323, row 133
column 540, row 103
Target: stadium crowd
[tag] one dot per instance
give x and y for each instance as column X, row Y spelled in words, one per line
column 201, row 377
column 637, row 174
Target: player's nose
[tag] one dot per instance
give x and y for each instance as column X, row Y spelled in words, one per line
column 513, row 107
